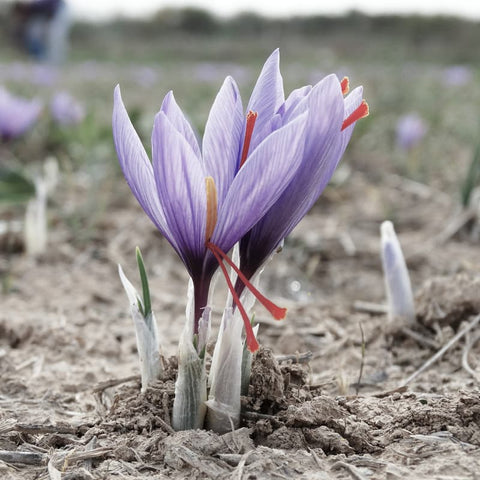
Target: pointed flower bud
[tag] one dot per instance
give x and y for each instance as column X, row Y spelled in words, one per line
column 397, row 281
column 36, row 228
column 145, row 326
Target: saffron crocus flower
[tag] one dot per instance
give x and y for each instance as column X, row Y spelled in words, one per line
column 330, row 122
column 204, row 200
column 66, row 110
column 410, row 131
column 17, row 114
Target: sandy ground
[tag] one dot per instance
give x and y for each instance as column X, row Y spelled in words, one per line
column 65, row 330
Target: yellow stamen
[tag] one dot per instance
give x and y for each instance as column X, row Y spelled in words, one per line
column 212, row 207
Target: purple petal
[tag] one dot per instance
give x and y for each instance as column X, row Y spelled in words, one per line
column 325, row 118
column 267, row 96
column 180, row 181
column 295, row 103
column 322, row 151
column 173, row 112
column 260, row 182
column 136, row 165
column 324, row 148
column 223, row 137
column 352, row 102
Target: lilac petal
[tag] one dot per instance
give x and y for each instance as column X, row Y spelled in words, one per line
column 267, row 96
column 223, row 137
column 180, row 181
column 321, row 154
column 136, row 165
column 323, row 146
column 171, row 109
column 352, row 102
column 295, row 103
column 323, row 150
column 329, row 152
column 260, row 182
column 326, row 115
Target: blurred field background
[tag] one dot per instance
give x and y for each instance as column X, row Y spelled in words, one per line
column 64, row 321
column 425, row 68
column 428, row 66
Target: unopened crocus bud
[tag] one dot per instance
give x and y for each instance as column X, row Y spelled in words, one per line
column 145, row 327
column 36, row 221
column 51, row 174
column 401, row 307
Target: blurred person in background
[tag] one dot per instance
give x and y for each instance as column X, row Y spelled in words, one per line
column 43, row 28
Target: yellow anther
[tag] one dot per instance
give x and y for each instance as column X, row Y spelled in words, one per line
column 212, row 207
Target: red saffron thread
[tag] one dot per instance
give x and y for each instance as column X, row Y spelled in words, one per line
column 345, row 84
column 277, row 312
column 251, row 119
column 360, row 112
column 252, row 343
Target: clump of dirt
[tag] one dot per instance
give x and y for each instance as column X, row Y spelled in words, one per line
column 142, row 413
column 15, row 337
column 267, row 385
column 448, row 300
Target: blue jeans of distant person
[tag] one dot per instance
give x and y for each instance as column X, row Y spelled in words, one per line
column 47, row 38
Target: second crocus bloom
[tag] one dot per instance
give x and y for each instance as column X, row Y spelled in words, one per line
column 330, row 121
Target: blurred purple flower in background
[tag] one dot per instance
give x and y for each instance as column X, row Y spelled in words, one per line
column 208, row 72
column 457, row 76
column 66, row 110
column 17, row 114
column 44, row 75
column 89, row 70
column 34, row 74
column 145, row 76
column 410, row 130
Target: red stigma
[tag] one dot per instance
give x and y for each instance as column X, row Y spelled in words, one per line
column 360, row 112
column 251, row 119
column 277, row 312
column 345, row 84
column 252, row 343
